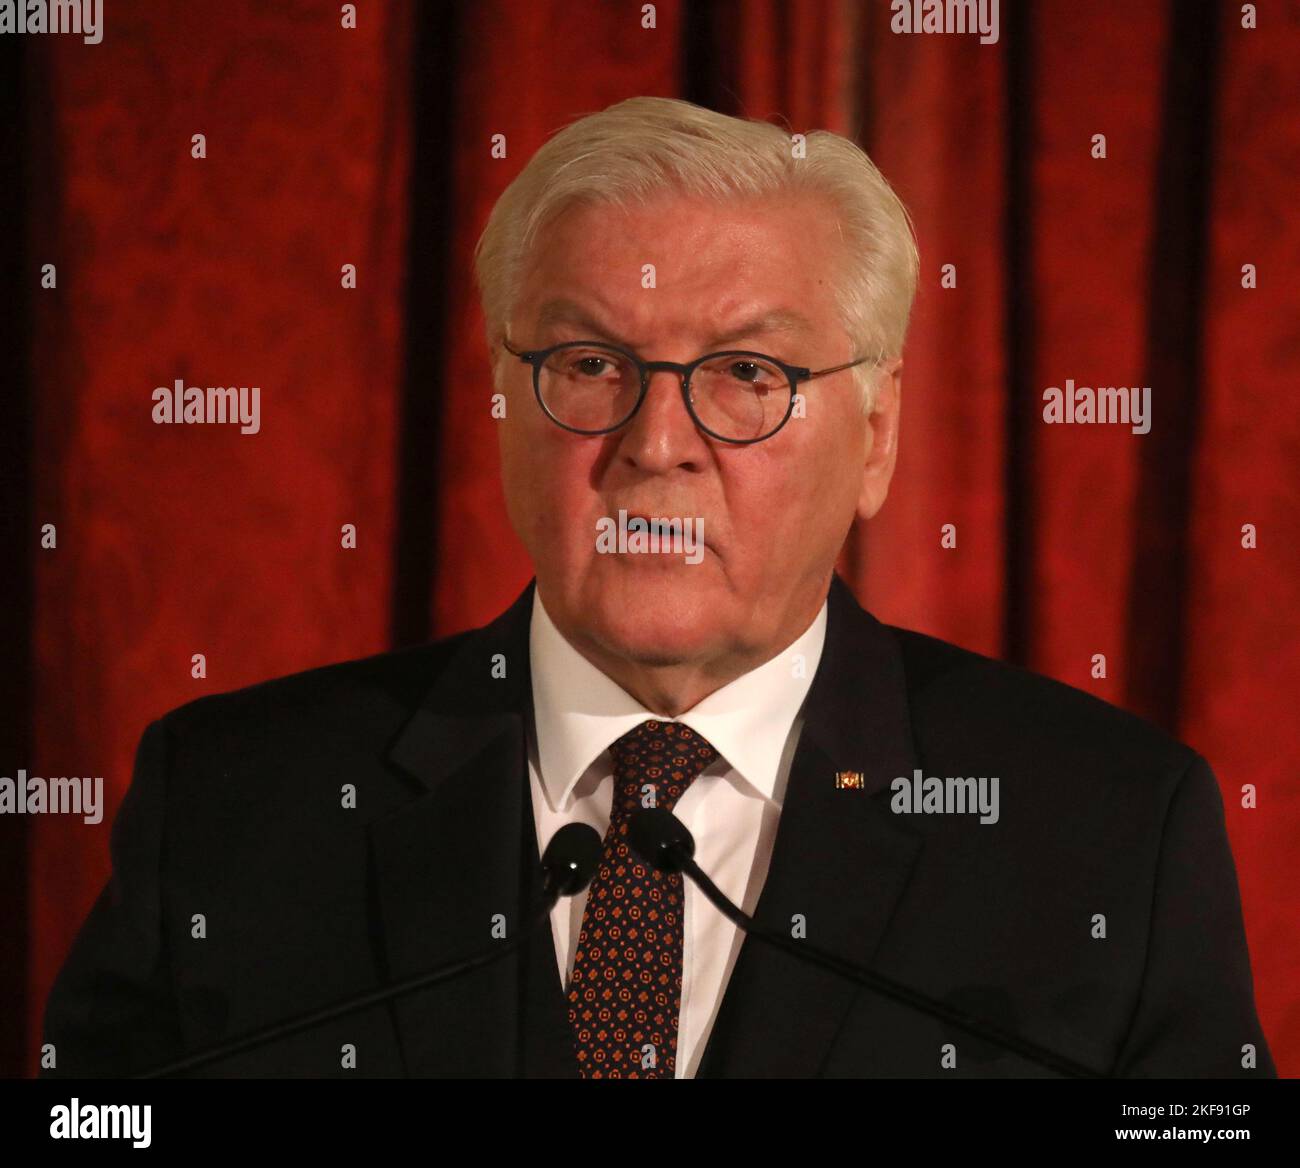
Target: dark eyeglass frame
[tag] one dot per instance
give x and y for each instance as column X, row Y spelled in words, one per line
column 794, row 375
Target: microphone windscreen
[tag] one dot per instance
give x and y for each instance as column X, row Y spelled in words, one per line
column 571, row 858
column 661, row 839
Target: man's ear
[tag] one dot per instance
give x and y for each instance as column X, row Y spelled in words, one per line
column 882, row 438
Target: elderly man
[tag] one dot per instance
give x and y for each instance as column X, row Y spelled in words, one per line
column 695, row 325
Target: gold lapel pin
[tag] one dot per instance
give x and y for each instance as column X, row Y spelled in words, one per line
column 850, row 781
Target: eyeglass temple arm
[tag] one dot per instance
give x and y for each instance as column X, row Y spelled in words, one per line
column 808, row 374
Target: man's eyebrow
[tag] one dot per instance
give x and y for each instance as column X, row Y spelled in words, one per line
column 561, row 310
column 778, row 320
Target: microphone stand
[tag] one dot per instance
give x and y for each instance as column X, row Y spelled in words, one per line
column 881, row 984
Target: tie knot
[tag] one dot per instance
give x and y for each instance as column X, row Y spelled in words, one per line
column 664, row 756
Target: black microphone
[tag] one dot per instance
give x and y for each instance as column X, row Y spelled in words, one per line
column 666, row 843
column 568, row 865
column 570, row 861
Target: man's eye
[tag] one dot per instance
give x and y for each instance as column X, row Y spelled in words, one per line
column 751, row 373
column 590, row 366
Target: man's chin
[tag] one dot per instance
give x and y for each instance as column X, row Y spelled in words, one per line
column 658, row 616
column 653, row 647
column 667, row 580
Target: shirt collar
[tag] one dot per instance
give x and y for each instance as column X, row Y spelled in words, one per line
column 579, row 711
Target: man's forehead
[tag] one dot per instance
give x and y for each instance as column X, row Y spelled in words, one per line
column 723, row 327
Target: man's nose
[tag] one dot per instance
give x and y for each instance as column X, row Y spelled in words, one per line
column 663, row 434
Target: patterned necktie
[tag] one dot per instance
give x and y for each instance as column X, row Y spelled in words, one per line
column 626, row 990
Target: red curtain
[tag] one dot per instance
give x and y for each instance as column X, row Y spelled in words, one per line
column 371, row 147
column 177, row 540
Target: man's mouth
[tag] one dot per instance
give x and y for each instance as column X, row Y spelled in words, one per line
column 639, row 531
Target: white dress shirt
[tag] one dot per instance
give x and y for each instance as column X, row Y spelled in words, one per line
column 731, row 808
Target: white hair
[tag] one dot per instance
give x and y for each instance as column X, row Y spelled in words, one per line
column 646, row 146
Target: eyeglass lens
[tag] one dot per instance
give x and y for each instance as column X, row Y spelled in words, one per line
column 735, row 395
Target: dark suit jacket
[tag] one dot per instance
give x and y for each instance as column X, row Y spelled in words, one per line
column 236, row 813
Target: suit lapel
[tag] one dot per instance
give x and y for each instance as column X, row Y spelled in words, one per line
column 463, row 850
column 455, row 858
column 546, row 1036
column 840, row 860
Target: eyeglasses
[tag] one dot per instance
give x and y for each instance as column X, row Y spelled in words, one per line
column 736, row 396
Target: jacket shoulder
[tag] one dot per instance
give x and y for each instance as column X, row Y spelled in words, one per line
column 380, row 687
column 963, row 700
